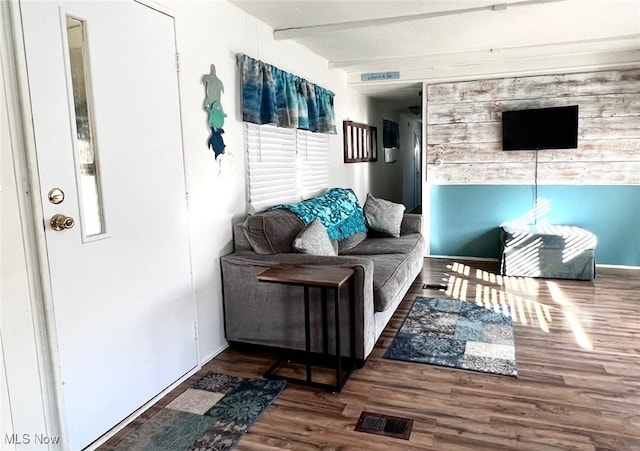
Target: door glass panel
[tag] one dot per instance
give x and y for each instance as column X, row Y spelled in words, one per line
column 87, row 172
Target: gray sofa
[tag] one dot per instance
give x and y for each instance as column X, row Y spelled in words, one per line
column 273, row 314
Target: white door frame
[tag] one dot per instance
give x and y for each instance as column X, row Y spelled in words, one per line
column 14, row 66
column 31, row 220
column 426, row 192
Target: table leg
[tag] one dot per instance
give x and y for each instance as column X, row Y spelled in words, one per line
column 338, row 356
column 325, row 326
column 352, row 319
column 307, row 334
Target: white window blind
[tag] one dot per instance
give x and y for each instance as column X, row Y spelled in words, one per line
column 271, row 156
column 313, row 163
column 284, row 165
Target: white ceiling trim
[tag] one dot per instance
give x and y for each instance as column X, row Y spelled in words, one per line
column 597, row 61
column 314, row 30
column 509, row 53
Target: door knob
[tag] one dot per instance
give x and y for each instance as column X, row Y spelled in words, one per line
column 61, row 222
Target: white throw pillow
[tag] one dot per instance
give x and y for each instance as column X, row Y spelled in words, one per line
column 314, row 240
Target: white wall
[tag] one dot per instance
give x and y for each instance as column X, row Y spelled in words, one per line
column 385, row 178
column 214, row 33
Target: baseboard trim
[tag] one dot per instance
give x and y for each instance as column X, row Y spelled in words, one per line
column 598, row 265
column 487, row 259
column 213, row 355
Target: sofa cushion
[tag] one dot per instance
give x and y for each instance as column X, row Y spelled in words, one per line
column 351, row 242
column 383, row 216
column 273, row 232
column 390, row 272
column 385, row 245
column 314, row 240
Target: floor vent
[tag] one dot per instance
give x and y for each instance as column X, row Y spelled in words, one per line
column 387, row 425
column 435, row 286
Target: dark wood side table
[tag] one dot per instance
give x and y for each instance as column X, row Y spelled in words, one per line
column 326, row 278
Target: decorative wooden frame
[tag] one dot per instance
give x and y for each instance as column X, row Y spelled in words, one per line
column 360, row 142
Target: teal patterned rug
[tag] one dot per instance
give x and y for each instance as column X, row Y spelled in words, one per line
column 213, row 415
column 457, row 334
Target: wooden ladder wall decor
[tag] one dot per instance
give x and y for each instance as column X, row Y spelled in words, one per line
column 360, row 142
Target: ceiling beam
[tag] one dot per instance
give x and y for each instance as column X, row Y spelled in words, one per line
column 312, row 30
column 608, row 43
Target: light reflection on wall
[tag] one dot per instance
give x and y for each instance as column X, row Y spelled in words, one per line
column 513, row 296
column 537, row 215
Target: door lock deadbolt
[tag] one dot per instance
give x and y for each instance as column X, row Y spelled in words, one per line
column 56, row 196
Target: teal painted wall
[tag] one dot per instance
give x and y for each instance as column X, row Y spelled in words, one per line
column 465, row 218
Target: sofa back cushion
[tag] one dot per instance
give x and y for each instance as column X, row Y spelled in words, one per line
column 273, row 232
column 240, row 240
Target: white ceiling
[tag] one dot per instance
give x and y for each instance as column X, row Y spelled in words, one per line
column 441, row 40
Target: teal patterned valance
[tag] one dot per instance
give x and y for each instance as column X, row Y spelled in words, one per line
column 273, row 96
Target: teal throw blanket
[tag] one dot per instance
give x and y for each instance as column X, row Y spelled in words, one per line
column 338, row 210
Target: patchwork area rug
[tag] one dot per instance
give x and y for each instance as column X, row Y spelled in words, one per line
column 213, row 415
column 457, row 334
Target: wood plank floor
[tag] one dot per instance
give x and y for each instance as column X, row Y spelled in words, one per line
column 578, row 353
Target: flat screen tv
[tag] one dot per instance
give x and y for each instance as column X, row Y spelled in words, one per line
column 542, row 128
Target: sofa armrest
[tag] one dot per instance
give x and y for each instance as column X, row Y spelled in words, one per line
column 411, row 223
column 271, row 314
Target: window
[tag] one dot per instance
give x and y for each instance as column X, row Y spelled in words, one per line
column 360, row 142
column 284, row 165
column 87, row 170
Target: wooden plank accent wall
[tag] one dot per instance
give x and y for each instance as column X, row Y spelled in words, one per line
column 464, row 130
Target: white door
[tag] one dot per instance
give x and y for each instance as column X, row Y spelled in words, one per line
column 104, row 92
